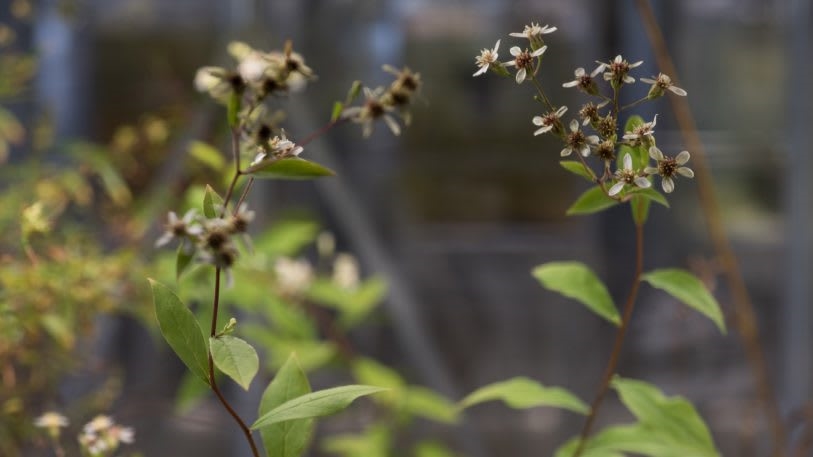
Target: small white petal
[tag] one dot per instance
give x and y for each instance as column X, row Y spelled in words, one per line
column 616, row 188
column 668, row 185
column 630, row 136
column 396, row 129
column 651, row 170
column 642, row 182
column 685, row 171
column 629, row 79
column 618, row 59
column 655, row 153
column 562, row 110
column 636, row 64
column 165, row 239
column 544, row 129
column 593, row 139
column 539, row 51
column 517, row 34
column 677, row 91
column 598, row 70
column 571, row 84
column 496, row 46
column 627, row 162
column 520, row 76
column 648, row 81
column 565, row 152
column 515, row 51
column 579, row 72
column 549, row 29
column 574, row 125
column 682, row 157
column 585, row 151
column 482, row 70
column 537, row 120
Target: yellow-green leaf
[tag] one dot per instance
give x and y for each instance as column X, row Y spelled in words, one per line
column 523, row 393
column 577, row 168
column 316, row 404
column 288, row 168
column 591, row 201
column 290, row 438
column 687, row 288
column 575, row 280
column 235, row 358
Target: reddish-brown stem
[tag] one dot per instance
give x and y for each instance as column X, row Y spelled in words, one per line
column 213, row 382
column 745, row 320
column 244, row 194
column 620, row 334
column 322, row 130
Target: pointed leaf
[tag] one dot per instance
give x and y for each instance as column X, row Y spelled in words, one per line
column 650, row 194
column 290, row 438
column 575, row 280
column 181, row 330
column 207, row 155
column 289, row 168
column 687, row 288
column 426, row 403
column 671, row 421
column 235, row 358
column 338, row 107
column 591, row 201
column 316, row 404
column 577, row 168
column 523, row 393
column 211, row 200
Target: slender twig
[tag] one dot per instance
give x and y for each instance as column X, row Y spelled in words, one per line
column 619, row 341
column 322, row 130
column 235, row 151
column 244, row 194
column 212, row 380
column 635, row 103
column 745, row 318
column 542, row 93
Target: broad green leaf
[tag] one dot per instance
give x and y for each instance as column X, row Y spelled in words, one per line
column 614, row 441
column 591, row 201
column 577, row 168
column 316, row 404
column 640, row 209
column 290, row 438
column 191, row 391
column 523, row 393
column 426, row 403
column 181, row 330
column 687, row 288
column 183, row 259
column 207, row 155
column 288, row 168
column 235, row 358
column 338, row 107
column 354, row 304
column 671, row 421
column 211, row 200
column 287, row 237
column 432, row 449
column 650, row 194
column 575, row 280
column 376, row 441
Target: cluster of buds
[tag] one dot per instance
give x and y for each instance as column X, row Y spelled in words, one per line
column 601, row 115
column 209, row 240
column 383, row 102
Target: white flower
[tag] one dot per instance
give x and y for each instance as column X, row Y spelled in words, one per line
column 217, row 82
column 346, row 271
column 253, row 68
column 533, row 31
column 370, row 111
column 51, row 419
column 120, row 434
column 99, row 424
column 550, row 121
column 616, row 70
column 584, row 81
column 293, row 276
column 178, row 228
column 486, row 58
column 578, row 141
column 627, row 176
column 642, row 134
column 523, row 60
column 668, row 168
column 661, row 83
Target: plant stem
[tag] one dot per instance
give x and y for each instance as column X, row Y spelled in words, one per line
column 322, row 130
column 745, row 320
column 213, row 382
column 542, row 93
column 244, row 194
column 620, row 334
column 635, row 103
column 235, row 151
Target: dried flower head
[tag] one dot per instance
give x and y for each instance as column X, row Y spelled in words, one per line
column 179, row 228
column 669, row 167
column 577, row 141
column 486, row 58
column 293, row 276
column 589, row 112
column 372, row 110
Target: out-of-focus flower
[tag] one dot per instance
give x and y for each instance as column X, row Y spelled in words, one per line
column 616, row 71
column 52, row 422
column 642, row 134
column 372, row 110
column 293, row 276
column 487, row 57
column 179, row 228
column 346, row 271
column 584, row 81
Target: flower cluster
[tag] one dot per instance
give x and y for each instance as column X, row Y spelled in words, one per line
column 382, row 103
column 601, row 115
column 100, row 437
column 209, row 239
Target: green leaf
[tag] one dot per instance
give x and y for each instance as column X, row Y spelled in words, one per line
column 687, row 288
column 426, row 403
column 288, row 168
column 207, row 155
column 575, row 280
column 211, row 199
column 183, row 259
column 287, row 237
column 640, row 209
column 338, row 107
column 671, row 421
column 181, row 330
column 370, row 372
column 432, row 449
column 354, row 304
column 591, row 201
column 316, row 404
column 613, row 441
column 290, row 438
column 523, row 393
column 650, row 194
column 235, row 358
column 577, row 168
column 376, row 441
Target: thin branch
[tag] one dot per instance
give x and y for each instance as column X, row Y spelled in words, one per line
column 213, row 381
column 745, row 318
column 618, row 344
column 235, row 151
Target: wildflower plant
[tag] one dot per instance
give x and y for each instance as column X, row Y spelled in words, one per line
column 215, row 235
column 621, row 164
